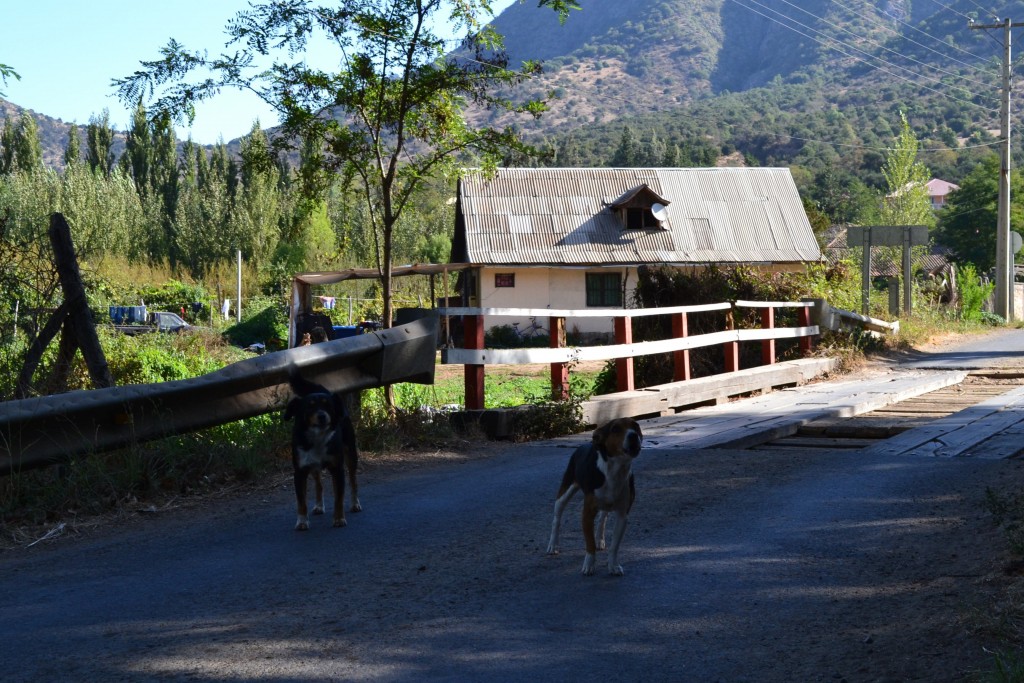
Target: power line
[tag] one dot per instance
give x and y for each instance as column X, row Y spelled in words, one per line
column 844, row 44
column 854, row 57
column 881, row 24
column 954, row 11
column 875, row 43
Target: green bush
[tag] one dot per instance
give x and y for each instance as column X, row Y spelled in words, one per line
column 973, row 293
column 264, row 321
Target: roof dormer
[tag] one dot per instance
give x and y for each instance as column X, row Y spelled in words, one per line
column 641, row 209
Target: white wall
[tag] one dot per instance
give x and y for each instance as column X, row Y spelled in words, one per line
column 557, row 288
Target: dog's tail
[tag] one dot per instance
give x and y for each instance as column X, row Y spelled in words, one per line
column 302, row 386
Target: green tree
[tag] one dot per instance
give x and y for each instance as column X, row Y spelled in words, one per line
column 138, row 150
column 906, row 200
column 627, row 152
column 73, row 149
column 5, row 73
column 100, row 143
column 967, row 224
column 162, row 200
column 397, row 85
column 257, row 214
column 28, row 151
column 7, row 147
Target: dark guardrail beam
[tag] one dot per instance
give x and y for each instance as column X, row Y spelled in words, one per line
column 36, row 432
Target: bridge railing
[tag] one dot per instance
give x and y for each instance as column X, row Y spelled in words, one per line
column 475, row 357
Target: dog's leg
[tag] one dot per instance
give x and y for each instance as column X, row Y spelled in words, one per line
column 302, row 522
column 556, row 523
column 338, row 482
column 318, row 483
column 614, row 568
column 589, row 515
column 351, row 464
column 602, row 525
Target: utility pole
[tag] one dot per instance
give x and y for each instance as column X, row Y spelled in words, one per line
column 1004, row 254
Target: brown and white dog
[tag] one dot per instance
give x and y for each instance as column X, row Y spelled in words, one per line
column 323, row 439
column 602, row 469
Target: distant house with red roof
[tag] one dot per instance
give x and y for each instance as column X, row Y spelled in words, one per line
column 938, row 190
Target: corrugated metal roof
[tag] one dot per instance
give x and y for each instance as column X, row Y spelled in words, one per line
column 562, row 216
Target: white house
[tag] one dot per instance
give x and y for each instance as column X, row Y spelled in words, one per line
column 573, row 238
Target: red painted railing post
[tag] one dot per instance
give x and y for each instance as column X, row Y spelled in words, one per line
column 474, row 339
column 559, row 371
column 680, row 359
column 767, row 345
column 624, row 366
column 732, row 348
column 806, row 342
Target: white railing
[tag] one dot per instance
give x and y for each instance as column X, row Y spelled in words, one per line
column 475, row 357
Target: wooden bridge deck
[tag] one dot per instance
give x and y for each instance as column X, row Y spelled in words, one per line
column 992, row 428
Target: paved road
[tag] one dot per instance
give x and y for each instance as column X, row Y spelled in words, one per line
column 739, row 567
column 1000, row 349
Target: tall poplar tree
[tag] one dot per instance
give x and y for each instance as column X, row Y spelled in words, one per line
column 7, row 147
column 138, row 150
column 100, row 143
column 28, row 151
column 73, row 148
column 906, row 201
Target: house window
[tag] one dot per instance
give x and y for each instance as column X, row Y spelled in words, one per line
column 604, row 289
column 638, row 218
column 504, row 279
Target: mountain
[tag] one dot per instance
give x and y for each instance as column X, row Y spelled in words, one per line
column 619, row 58
column 802, row 82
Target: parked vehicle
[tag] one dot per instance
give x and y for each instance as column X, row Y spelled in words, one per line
column 157, row 321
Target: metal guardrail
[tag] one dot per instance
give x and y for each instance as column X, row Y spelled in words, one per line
column 36, row 432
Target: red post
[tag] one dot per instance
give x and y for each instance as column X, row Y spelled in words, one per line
column 624, row 366
column 559, row 371
column 767, row 345
column 680, row 359
column 473, row 325
column 807, row 342
column 732, row 349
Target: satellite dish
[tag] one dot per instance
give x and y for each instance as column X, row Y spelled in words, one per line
column 1016, row 242
column 660, row 211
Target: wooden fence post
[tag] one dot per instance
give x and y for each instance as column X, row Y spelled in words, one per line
column 473, row 327
column 804, row 320
column 732, row 349
column 624, row 366
column 680, row 359
column 767, row 345
column 559, row 371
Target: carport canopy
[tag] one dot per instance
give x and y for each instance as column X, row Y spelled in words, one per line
column 302, row 284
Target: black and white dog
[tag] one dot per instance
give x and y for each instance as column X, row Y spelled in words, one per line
column 602, row 469
column 323, row 439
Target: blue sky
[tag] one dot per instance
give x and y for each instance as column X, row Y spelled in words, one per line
column 67, row 52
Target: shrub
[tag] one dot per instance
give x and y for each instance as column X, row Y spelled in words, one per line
column 973, row 293
column 266, row 324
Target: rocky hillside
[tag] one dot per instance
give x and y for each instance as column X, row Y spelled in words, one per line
column 804, row 59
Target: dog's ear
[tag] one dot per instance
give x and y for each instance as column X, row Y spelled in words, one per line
column 291, row 409
column 601, row 434
column 639, row 432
